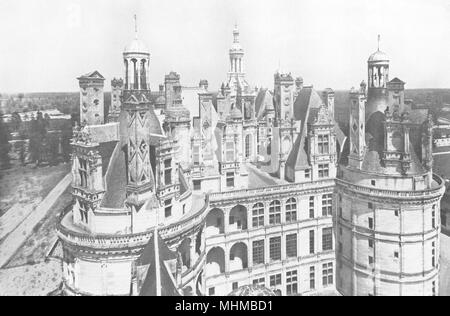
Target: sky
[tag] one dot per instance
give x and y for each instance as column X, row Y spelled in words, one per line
column 47, row 44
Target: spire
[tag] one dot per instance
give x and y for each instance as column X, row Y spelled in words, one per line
column 379, row 39
column 236, row 33
column 135, row 26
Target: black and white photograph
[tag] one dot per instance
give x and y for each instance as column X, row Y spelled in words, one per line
column 225, row 148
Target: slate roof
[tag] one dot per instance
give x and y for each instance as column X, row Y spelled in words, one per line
column 148, row 257
column 115, row 180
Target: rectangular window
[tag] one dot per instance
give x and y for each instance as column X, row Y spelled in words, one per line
column 235, row 285
column 82, row 169
column 291, row 282
column 258, row 252
column 324, row 171
column 307, row 173
column 168, row 208
column 197, row 185
column 327, row 205
column 433, row 254
column 324, row 144
column 212, row 291
column 291, row 246
column 258, row 215
column 396, row 254
column 370, row 223
column 168, row 171
column 230, row 179
column 327, row 239
column 312, row 278
column 311, row 242
column 433, row 288
column 370, row 260
column 275, row 280
column 373, row 182
column 370, row 243
column 327, row 274
column 260, row 281
column 311, row 207
column 433, row 217
column 275, row 248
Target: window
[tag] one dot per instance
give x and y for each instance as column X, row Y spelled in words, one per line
column 168, row 208
column 229, row 152
column 311, row 207
column 370, row 260
column 275, row 248
column 327, row 239
column 230, row 179
column 196, row 155
column 197, row 185
column 324, row 144
column 247, row 146
column 82, row 169
column 327, row 274
column 396, row 254
column 258, row 215
column 370, row 243
column 324, row 171
column 433, row 217
column 291, row 282
column 291, row 210
column 311, row 242
column 275, row 280
column 260, row 281
column 235, row 285
column 307, row 173
column 340, row 212
column 370, row 205
column 433, row 254
column 168, row 171
column 327, row 205
column 433, row 288
column 275, row 213
column 212, row 291
column 370, row 223
column 291, row 246
column 396, row 213
column 373, row 182
column 83, row 211
column 184, row 208
column 258, row 252
column 312, row 278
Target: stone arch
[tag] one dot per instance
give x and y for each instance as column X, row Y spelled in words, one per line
column 215, row 262
column 238, row 256
column 238, row 218
column 185, row 250
column 215, row 222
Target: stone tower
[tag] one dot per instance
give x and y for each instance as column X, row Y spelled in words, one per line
column 388, row 200
column 117, row 86
column 92, row 109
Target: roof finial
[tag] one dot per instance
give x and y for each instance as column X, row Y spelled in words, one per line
column 379, row 39
column 135, row 25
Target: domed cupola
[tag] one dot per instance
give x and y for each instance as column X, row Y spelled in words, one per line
column 136, row 58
